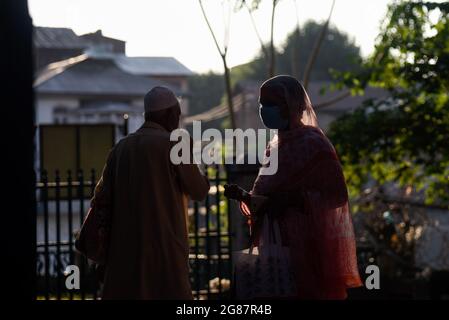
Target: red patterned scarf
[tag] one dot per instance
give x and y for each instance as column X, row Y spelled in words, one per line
column 320, row 235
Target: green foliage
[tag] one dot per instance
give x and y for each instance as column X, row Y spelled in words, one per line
column 338, row 52
column 206, row 91
column 405, row 137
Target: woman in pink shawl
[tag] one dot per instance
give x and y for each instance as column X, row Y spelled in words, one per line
column 307, row 195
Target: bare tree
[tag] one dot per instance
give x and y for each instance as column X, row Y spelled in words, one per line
column 272, row 69
column 223, row 54
column 250, row 10
column 316, row 48
column 269, row 52
column 295, row 54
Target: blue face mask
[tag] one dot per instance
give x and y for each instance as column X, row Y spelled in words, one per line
column 272, row 118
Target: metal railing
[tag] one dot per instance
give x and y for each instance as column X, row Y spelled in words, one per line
column 62, row 204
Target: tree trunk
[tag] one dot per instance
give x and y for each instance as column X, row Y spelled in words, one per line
column 227, row 75
column 316, row 49
column 272, row 68
column 295, row 55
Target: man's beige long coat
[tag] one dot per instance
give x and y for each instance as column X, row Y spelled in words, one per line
column 146, row 195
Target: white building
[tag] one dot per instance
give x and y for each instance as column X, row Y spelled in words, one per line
column 88, row 79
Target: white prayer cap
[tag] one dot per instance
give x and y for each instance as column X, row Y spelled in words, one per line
column 159, row 98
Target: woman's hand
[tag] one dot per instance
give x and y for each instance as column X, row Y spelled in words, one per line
column 233, row 191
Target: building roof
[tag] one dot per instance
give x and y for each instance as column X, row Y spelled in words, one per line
column 98, row 35
column 84, row 75
column 107, row 44
column 314, row 90
column 101, row 106
column 148, row 66
column 57, row 38
column 350, row 103
column 246, row 104
column 100, row 46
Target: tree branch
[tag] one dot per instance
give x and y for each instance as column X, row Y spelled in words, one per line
column 316, row 48
column 210, row 29
column 332, row 101
column 295, row 55
column 272, row 69
column 227, row 74
column 262, row 45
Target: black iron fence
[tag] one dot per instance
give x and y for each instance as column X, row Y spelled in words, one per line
column 62, row 204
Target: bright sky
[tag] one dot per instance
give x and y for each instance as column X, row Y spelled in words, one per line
column 177, row 28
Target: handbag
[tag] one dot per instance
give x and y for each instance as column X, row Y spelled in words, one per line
column 93, row 238
column 264, row 272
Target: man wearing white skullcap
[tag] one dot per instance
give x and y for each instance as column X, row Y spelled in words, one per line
column 146, row 195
